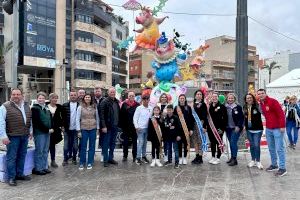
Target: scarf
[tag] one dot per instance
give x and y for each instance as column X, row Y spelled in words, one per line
column 130, row 104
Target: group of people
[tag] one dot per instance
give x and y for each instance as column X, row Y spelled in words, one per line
column 171, row 129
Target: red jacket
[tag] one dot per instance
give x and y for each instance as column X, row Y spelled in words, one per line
column 273, row 113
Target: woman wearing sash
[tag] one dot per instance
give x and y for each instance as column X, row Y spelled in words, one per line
column 162, row 104
column 201, row 110
column 218, row 115
column 184, row 113
column 155, row 136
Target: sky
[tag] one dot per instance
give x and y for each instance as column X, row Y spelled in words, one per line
column 280, row 15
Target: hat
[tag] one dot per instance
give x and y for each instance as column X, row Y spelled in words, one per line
column 162, row 39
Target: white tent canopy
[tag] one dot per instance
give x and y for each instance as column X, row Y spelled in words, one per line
column 286, row 85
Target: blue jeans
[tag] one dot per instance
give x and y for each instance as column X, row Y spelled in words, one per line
column 168, row 149
column 176, row 151
column 276, row 147
column 70, row 144
column 291, row 126
column 15, row 156
column 109, row 142
column 233, row 138
column 87, row 136
column 142, row 135
column 254, row 139
column 41, row 142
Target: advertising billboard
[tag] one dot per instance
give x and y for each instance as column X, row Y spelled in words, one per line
column 39, row 35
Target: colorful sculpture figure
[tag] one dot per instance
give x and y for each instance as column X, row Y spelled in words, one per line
column 165, row 62
column 150, row 31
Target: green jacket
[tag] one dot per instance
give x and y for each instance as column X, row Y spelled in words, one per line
column 41, row 119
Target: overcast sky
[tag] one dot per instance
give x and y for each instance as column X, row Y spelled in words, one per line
column 283, row 16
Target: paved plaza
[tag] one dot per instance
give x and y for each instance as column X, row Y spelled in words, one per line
column 129, row 181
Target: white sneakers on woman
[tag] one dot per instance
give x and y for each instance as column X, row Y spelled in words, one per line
column 214, row 161
column 253, row 163
column 155, row 162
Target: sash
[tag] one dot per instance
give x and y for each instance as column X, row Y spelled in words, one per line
column 202, row 136
column 185, row 129
column 215, row 132
column 158, row 133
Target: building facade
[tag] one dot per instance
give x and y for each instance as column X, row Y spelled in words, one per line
column 139, row 66
column 287, row 61
column 219, row 69
column 68, row 44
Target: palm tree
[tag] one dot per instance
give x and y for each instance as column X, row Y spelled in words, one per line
column 273, row 65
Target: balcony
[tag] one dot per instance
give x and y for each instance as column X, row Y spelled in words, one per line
column 91, row 47
column 102, row 15
column 224, row 88
column 93, row 28
column 222, row 64
column 223, row 76
column 135, row 81
column 120, row 71
column 83, row 83
column 80, row 64
column 120, row 57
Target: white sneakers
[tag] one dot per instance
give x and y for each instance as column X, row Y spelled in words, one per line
column 155, row 162
column 180, row 161
column 259, row 165
column 184, row 161
column 214, row 161
column 253, row 163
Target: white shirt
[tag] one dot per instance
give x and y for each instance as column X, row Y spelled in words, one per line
column 73, row 113
column 141, row 117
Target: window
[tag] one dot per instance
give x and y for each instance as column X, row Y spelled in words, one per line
column 119, row 34
column 80, row 18
column 99, row 41
column 88, row 19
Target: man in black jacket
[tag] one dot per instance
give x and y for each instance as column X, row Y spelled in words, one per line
column 109, row 121
column 98, row 99
column 70, row 134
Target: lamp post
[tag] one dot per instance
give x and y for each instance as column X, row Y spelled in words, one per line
column 241, row 51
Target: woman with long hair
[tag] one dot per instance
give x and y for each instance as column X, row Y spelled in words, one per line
column 87, row 124
column 162, row 104
column 234, row 127
column 218, row 114
column 201, row 109
column 254, row 128
column 186, row 111
column 57, row 124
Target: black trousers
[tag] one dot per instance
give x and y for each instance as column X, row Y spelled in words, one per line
column 182, row 143
column 155, row 149
column 133, row 135
column 214, row 145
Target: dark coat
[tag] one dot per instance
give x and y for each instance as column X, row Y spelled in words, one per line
column 57, row 123
column 41, row 120
column 256, row 120
column 107, row 112
column 152, row 136
column 201, row 110
column 218, row 114
column 126, row 116
column 238, row 116
column 66, row 115
column 188, row 116
column 171, row 134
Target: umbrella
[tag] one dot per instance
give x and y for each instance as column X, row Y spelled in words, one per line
column 132, row 5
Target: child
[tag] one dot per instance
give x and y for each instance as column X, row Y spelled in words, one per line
column 155, row 136
column 172, row 135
